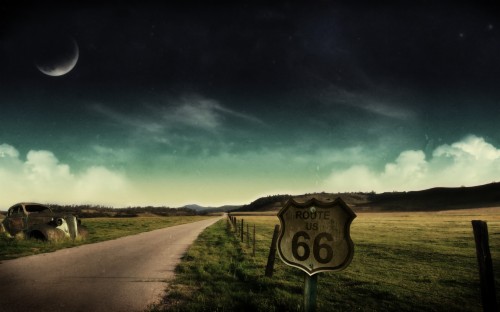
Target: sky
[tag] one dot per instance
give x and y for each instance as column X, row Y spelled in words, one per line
column 221, row 104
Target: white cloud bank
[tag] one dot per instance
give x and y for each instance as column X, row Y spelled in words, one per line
column 42, row 178
column 471, row 161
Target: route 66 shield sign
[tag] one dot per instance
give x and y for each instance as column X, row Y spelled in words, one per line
column 315, row 235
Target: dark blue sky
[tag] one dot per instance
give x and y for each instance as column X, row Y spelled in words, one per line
column 173, row 104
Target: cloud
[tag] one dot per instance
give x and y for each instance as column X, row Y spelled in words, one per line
column 194, row 112
column 387, row 110
column 7, row 151
column 43, row 167
column 386, row 106
column 471, row 148
column 185, row 124
column 198, row 112
column 145, row 124
column 41, row 177
column 190, row 112
column 99, row 182
column 471, row 161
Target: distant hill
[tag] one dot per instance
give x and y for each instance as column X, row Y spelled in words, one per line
column 205, row 210
column 433, row 199
column 439, row 198
column 195, row 207
column 275, row 202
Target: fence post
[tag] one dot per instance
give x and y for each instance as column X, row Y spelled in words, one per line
column 242, row 230
column 253, row 252
column 248, row 236
column 272, row 252
column 486, row 277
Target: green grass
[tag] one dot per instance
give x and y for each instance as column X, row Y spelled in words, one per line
column 100, row 229
column 402, row 262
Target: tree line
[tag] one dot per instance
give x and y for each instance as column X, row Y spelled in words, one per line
column 97, row 211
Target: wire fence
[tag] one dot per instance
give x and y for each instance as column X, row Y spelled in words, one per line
column 247, row 235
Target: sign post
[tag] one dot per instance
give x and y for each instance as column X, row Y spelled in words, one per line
column 310, row 287
column 315, row 237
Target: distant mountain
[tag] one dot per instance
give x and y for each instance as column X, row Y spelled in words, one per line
column 433, row 199
column 199, row 208
column 195, row 207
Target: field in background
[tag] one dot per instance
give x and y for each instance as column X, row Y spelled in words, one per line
column 402, row 262
column 100, row 229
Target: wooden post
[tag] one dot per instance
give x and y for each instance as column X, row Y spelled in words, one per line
column 310, row 291
column 248, row 236
column 486, row 277
column 253, row 252
column 272, row 252
column 242, row 230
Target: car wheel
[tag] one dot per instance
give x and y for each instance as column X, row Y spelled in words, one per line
column 37, row 235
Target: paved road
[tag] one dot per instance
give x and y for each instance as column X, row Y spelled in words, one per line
column 125, row 274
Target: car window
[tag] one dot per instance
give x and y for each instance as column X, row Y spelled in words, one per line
column 17, row 210
column 36, row 208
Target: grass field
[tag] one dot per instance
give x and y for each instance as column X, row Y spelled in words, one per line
column 402, row 262
column 100, row 229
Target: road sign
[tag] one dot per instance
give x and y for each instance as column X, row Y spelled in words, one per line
column 315, row 235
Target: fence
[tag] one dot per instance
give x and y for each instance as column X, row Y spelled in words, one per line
column 238, row 228
column 246, row 232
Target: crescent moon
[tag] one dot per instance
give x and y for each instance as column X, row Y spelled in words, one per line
column 60, row 63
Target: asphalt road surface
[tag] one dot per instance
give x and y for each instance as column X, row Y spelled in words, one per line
column 125, row 274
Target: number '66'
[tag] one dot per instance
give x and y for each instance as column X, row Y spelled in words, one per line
column 316, row 247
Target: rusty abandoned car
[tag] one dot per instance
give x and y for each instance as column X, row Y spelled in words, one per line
column 31, row 220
